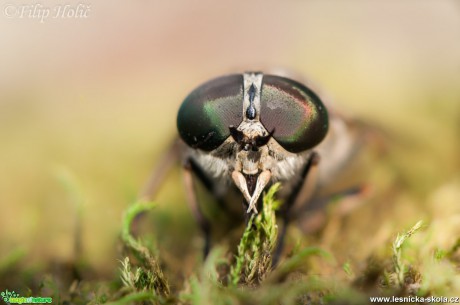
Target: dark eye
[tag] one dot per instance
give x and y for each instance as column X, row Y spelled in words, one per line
column 295, row 113
column 205, row 115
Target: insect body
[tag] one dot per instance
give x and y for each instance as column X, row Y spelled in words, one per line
column 249, row 131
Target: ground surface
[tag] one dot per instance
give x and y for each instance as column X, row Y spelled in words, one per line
column 84, row 119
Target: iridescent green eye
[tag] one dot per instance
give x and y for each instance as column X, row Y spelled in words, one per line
column 205, row 115
column 295, row 113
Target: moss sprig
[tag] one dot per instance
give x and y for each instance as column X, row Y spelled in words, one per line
column 149, row 275
column 254, row 258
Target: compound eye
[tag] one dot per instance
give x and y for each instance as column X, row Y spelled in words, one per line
column 294, row 112
column 205, row 115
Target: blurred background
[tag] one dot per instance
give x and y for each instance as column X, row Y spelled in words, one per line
column 88, row 104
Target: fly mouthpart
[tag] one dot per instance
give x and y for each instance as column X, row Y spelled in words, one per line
column 251, row 186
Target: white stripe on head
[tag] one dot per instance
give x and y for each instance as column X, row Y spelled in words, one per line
column 252, row 86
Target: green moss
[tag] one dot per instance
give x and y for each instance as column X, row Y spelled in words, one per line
column 148, row 275
column 254, row 258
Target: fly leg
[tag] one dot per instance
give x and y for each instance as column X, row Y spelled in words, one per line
column 158, row 175
column 349, row 199
column 302, row 191
column 192, row 168
column 154, row 182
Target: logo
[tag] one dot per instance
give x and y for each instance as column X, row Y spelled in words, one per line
column 11, row 297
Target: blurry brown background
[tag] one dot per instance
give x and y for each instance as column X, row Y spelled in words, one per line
column 91, row 102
